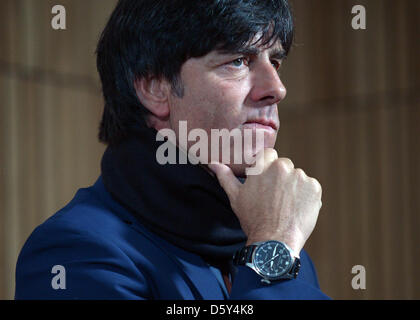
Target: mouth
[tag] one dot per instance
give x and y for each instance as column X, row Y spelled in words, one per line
column 261, row 123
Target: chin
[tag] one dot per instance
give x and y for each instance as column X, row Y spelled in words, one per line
column 247, row 155
column 240, row 169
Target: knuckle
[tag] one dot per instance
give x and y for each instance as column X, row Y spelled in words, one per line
column 282, row 165
column 319, row 206
column 270, row 152
column 300, row 173
column 316, row 185
column 286, row 162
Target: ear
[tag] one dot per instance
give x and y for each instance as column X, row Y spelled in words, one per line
column 153, row 94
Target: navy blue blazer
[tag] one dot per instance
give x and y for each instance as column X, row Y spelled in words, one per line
column 105, row 253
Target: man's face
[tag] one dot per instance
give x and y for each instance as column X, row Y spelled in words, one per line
column 231, row 90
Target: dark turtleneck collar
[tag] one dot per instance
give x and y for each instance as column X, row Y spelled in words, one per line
column 182, row 203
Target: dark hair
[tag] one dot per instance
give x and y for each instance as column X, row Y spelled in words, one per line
column 155, row 37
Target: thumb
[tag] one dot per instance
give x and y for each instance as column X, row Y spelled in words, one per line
column 226, row 178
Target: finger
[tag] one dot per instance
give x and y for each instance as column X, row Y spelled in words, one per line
column 269, row 155
column 289, row 164
column 226, row 178
column 264, row 159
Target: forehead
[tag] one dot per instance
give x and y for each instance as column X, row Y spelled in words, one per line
column 252, row 47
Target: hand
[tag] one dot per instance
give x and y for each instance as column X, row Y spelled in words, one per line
column 282, row 203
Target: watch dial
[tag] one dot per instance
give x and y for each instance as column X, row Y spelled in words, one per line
column 272, row 259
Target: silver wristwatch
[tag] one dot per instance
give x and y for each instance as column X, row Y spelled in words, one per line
column 272, row 260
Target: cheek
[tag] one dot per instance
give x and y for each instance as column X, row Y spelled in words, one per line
column 227, row 106
column 211, row 102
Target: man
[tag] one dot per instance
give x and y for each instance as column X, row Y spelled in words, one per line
column 181, row 231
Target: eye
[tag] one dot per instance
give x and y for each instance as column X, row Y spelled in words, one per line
column 239, row 61
column 276, row 64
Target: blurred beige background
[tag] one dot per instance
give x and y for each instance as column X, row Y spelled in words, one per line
column 351, row 119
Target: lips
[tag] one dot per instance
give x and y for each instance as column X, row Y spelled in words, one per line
column 261, row 123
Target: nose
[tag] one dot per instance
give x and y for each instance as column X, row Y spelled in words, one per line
column 268, row 88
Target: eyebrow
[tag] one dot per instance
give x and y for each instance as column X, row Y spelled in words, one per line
column 253, row 51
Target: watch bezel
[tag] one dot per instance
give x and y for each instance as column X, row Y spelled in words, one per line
column 264, row 274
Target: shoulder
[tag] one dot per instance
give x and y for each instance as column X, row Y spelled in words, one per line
column 93, row 242
column 91, row 214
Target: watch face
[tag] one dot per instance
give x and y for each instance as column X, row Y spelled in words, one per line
column 272, row 259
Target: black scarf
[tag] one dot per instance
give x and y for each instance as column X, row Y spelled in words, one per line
column 182, row 203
